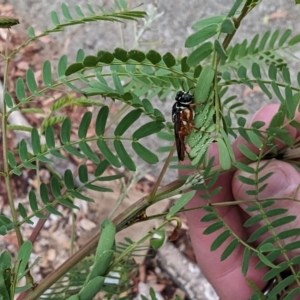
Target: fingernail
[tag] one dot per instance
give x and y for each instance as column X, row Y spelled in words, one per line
column 277, row 184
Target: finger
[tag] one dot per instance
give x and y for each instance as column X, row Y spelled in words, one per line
column 283, row 185
column 222, row 274
column 266, row 115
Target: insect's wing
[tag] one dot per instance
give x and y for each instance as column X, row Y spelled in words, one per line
column 178, row 138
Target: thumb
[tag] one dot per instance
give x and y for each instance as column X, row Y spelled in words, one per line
column 283, row 181
column 282, row 186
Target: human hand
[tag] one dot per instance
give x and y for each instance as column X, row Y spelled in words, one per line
column 226, row 276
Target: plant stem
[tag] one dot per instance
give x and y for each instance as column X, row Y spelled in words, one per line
column 162, row 172
column 125, row 219
column 5, row 148
column 133, row 214
column 245, row 10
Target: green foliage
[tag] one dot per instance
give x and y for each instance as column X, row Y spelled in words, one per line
column 133, row 79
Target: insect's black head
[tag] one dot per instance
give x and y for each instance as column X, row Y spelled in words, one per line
column 184, row 97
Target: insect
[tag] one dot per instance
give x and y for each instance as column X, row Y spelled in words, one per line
column 182, row 116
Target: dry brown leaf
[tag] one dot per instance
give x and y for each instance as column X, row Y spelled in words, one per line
column 256, row 89
column 11, row 239
column 23, row 65
column 277, row 15
column 86, row 224
column 5, row 9
column 44, row 39
column 3, row 34
column 51, row 254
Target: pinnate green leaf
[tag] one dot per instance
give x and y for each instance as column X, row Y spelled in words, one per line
column 264, row 40
column 294, row 40
column 107, row 153
column 208, row 21
column 265, row 260
column 101, row 120
column 34, row 206
column 253, row 220
column 74, row 68
column 209, row 217
column 101, row 168
column 90, row 61
column 286, row 75
column 229, row 249
column 289, row 233
column 220, row 50
column 148, row 129
column 224, row 156
column 98, row 188
column 258, row 233
column 267, row 247
column 80, row 55
column 105, row 57
column 20, row 89
column 153, row 56
column 248, row 153
column 282, row 221
column 55, row 187
column 127, row 121
column 67, row 202
column 83, row 173
column 144, row 153
column 180, row 203
column 201, row 36
column 292, row 246
column 30, row 79
column 284, row 37
column 136, row 55
column 213, row 227
column 62, row 65
column 121, row 54
column 234, row 8
column 23, row 258
column 117, row 83
column 23, row 213
column 8, row 100
column 73, row 151
column 11, row 159
column 245, row 168
column 169, row 60
column 246, row 260
column 65, row 131
column 256, row 70
column 35, row 141
column 228, row 26
column 47, row 74
column 148, row 106
column 23, row 153
column 89, row 153
column 68, row 179
column 204, row 84
column 54, row 18
column 264, row 89
column 124, row 156
column 220, row 240
column 200, row 54
column 49, row 136
column 84, row 125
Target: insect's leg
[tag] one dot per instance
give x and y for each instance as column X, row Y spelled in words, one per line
column 182, row 134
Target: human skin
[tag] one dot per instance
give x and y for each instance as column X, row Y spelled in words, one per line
column 226, row 276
